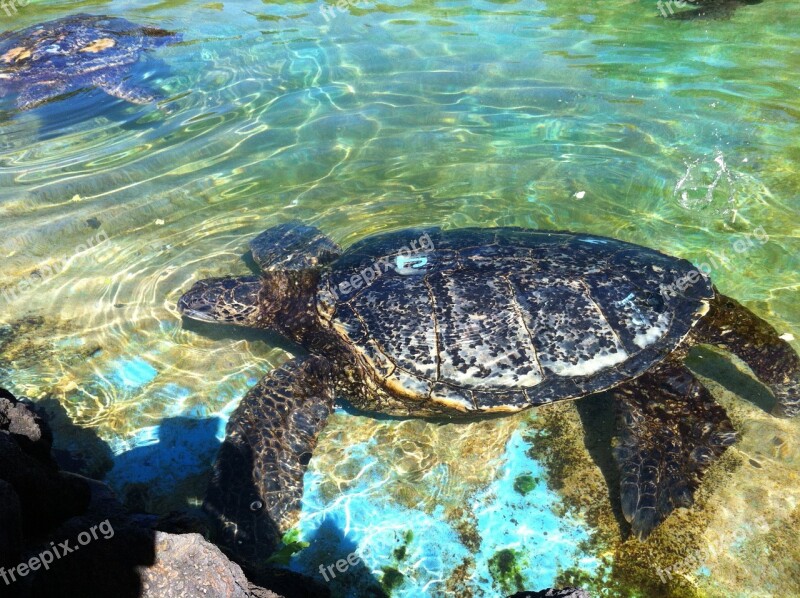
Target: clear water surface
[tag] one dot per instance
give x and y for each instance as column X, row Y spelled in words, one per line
column 370, row 116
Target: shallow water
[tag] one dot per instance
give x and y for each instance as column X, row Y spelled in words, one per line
column 606, row 119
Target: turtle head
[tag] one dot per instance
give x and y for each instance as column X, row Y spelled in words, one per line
column 224, row 300
column 274, row 300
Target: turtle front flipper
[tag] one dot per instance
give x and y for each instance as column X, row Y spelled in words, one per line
column 115, row 85
column 669, row 430
column 254, row 495
column 39, row 93
column 293, row 246
column 732, row 327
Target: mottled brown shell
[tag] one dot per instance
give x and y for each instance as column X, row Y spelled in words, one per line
column 501, row 319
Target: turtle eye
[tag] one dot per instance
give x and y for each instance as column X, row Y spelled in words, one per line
column 256, row 505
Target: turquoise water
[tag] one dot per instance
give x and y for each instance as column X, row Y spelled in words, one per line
column 600, row 118
column 524, row 524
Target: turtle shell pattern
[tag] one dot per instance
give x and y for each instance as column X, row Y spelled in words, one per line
column 483, row 320
column 72, row 47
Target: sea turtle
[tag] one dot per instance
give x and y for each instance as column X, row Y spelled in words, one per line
column 472, row 322
column 80, row 51
column 702, row 9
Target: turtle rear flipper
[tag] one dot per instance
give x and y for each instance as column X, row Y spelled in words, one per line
column 669, row 430
column 254, row 495
column 293, row 246
column 732, row 327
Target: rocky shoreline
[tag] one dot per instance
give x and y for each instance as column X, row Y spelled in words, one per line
column 62, row 534
column 65, row 535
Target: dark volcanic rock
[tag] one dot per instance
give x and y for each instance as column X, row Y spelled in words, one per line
column 144, row 563
column 10, row 525
column 110, row 551
column 290, row 583
column 25, row 426
column 188, row 565
column 256, row 592
column 46, row 496
column 551, row 593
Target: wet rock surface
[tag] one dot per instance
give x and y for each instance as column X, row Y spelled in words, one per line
column 65, row 535
column 187, row 565
column 44, row 495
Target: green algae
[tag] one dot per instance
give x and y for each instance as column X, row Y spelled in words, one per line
column 401, row 552
column 505, row 570
column 525, row 483
column 291, row 544
column 391, row 579
column 629, row 568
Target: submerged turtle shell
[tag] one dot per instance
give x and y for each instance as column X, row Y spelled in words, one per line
column 501, row 319
column 73, row 47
